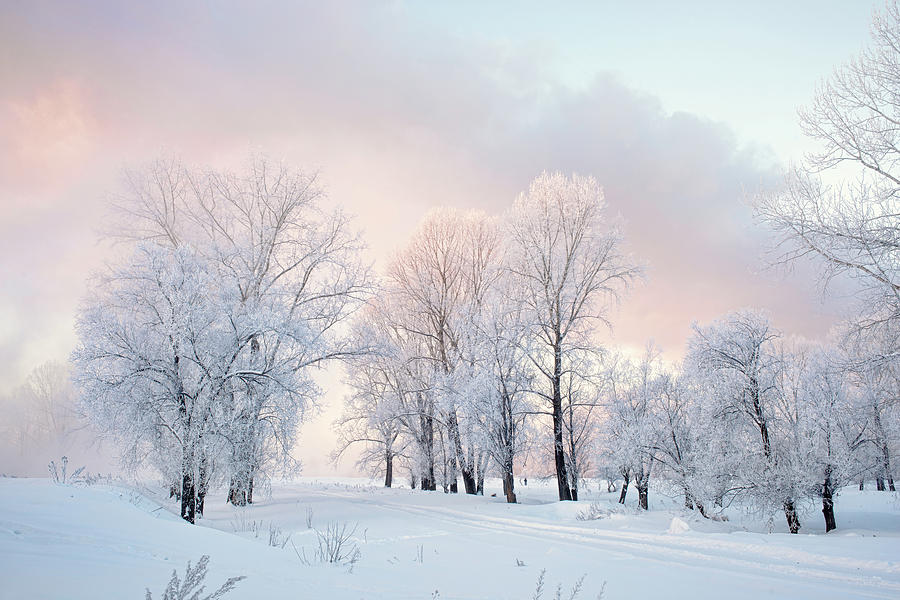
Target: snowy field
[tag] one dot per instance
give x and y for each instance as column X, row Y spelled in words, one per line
column 112, row 541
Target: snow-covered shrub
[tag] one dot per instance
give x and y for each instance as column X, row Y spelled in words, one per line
column 594, row 511
column 192, row 587
column 273, row 533
column 573, row 593
column 59, row 475
column 334, row 545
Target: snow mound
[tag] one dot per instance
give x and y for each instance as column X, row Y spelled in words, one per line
column 678, row 526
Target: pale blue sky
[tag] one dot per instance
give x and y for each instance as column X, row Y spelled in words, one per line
column 748, row 64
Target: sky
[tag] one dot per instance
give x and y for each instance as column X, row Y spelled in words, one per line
column 683, row 111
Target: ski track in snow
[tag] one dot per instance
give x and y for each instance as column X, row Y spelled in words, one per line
column 877, row 579
column 81, row 542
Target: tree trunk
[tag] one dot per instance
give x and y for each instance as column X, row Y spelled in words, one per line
column 412, row 482
column 203, row 482
column 188, row 490
column 886, row 468
column 240, row 487
column 465, row 466
column 509, row 483
column 790, row 513
column 828, row 502
column 562, row 476
column 862, row 484
column 573, row 483
column 428, row 481
column 388, row 469
column 625, row 474
column 643, row 493
column 879, row 484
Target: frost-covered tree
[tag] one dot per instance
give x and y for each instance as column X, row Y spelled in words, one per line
column 438, row 284
column 832, row 432
column 742, row 362
column 269, row 276
column 499, row 383
column 146, row 363
column 632, row 392
column 685, row 444
column 42, row 415
column 877, row 377
column 841, row 204
column 372, row 418
column 568, row 265
column 581, row 408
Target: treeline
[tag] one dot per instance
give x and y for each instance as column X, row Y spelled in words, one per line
column 483, row 346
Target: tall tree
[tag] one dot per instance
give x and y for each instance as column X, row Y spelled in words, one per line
column 280, row 275
column 568, row 265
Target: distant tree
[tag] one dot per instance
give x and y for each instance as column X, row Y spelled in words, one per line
column 371, row 419
column 568, row 265
column 438, row 283
column 632, row 392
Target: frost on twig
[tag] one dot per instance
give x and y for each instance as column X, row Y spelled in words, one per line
column 192, row 587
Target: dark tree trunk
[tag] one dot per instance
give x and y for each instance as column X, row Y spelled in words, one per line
column 643, row 493
column 862, row 484
column 469, row 482
column 388, row 469
column 688, row 501
column 428, row 481
column 562, row 475
column 188, row 489
column 412, row 482
column 879, row 484
column 203, row 483
column 175, row 490
column 509, row 483
column 466, row 468
column 828, row 502
column 624, row 491
column 790, row 513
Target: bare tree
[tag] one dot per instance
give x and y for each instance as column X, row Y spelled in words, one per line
column 439, row 281
column 568, row 264
column 742, row 361
column 371, row 418
column 842, row 203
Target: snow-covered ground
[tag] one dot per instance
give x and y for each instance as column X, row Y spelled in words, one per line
column 112, row 541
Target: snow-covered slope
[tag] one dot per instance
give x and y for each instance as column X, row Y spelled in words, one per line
column 111, row 542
